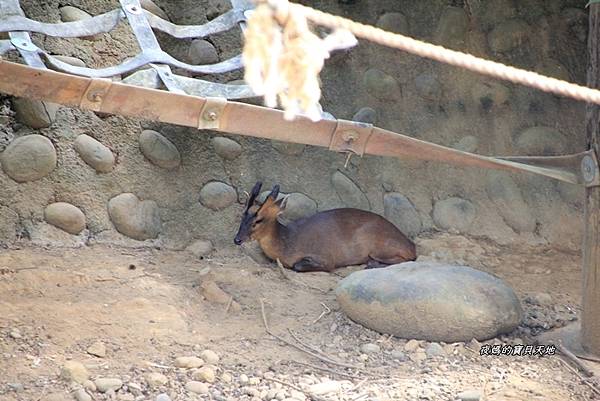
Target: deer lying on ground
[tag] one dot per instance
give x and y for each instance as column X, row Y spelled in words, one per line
column 324, row 241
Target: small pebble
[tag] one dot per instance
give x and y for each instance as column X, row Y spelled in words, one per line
column 197, row 387
column 89, row 385
column 363, row 357
column 470, row 395
column 226, row 378
column 81, row 395
column 134, row 389
column 106, row 384
column 327, row 387
column 418, row 356
column 205, row 374
column 370, row 348
column 399, row 355
column 163, row 397
column 253, row 381
column 155, row 379
column 434, row 349
column 243, row 379
column 210, row 357
column 16, row 387
column 97, row 349
column 188, row 362
column 15, row 333
column 411, row 345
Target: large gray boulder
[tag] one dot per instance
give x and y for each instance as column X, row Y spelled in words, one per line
column 430, row 301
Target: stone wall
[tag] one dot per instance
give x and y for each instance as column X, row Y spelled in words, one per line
column 73, row 177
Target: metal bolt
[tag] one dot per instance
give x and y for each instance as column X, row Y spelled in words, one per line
column 95, row 96
column 350, row 136
column 588, row 169
column 211, row 115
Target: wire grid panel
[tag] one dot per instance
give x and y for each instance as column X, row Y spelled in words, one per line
column 142, row 23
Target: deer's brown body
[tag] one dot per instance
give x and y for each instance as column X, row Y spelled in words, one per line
column 326, row 240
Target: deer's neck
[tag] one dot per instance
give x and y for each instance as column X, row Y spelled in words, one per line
column 274, row 243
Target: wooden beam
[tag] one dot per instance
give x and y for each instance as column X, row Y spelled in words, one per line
column 590, row 321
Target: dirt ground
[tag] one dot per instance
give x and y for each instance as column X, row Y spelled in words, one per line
column 147, row 307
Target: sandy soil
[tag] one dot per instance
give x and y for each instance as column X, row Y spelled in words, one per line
column 147, row 307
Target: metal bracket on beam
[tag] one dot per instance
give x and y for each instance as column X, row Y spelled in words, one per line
column 95, row 93
column 211, row 113
column 350, row 137
column 581, row 168
column 590, row 171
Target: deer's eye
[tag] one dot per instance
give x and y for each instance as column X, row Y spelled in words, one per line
column 258, row 221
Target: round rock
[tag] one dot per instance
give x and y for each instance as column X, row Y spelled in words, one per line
column 299, row 206
column 541, row 141
column 72, row 14
column 366, row 115
column 348, row 192
column 428, row 86
column 200, row 248
column 106, row 384
column 28, row 158
column 467, row 143
column 452, row 27
column 217, row 195
column 381, row 85
column 65, row 216
column 393, row 22
column 35, row 113
column 159, row 150
column 226, row 148
column 95, row 154
column 134, row 218
column 197, row 387
column 508, row 35
column 402, row 213
column 188, row 362
column 210, row 356
column 149, row 5
column 205, row 374
column 74, row 371
column 454, row 213
column 506, row 195
column 155, row 379
column 202, row 52
column 430, row 301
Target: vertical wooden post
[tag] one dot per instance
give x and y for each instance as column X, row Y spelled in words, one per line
column 590, row 322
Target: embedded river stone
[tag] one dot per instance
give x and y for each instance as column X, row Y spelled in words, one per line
column 430, row 301
column 381, row 85
column 393, row 22
column 508, row 35
column 454, row 213
column 95, row 154
column 28, row 158
column 452, row 28
column 72, row 14
column 65, row 216
column 402, row 213
column 134, row 218
column 159, row 150
column 35, row 113
column 366, row 115
column 348, row 192
column 217, row 195
column 202, row 52
column 149, row 5
column 226, row 148
column 506, row 195
column 541, row 141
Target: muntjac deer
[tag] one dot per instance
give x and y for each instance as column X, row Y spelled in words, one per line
column 325, row 240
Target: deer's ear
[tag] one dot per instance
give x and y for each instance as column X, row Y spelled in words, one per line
column 282, row 203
